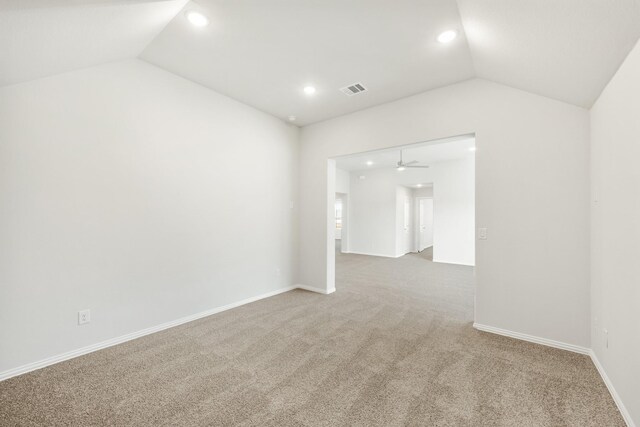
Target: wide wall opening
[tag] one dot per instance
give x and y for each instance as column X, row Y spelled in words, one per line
column 402, row 211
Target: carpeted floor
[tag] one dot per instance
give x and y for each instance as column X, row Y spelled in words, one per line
column 393, row 346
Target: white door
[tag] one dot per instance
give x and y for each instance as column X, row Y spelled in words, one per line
column 338, row 219
column 425, row 217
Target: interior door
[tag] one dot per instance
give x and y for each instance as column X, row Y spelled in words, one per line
column 425, row 221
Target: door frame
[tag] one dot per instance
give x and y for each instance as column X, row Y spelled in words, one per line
column 416, row 223
column 328, row 254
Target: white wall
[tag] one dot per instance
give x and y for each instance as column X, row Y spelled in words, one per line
column 532, row 193
column 454, row 211
column 132, row 192
column 372, row 213
column 423, row 192
column 615, row 231
column 342, row 181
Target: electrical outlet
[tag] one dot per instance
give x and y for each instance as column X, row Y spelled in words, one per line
column 84, row 316
column 482, row 233
column 278, row 272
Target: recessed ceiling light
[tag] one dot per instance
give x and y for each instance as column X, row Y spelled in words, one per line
column 447, row 36
column 369, row 163
column 292, row 118
column 197, row 19
column 401, row 168
column 309, row 90
column 472, row 148
column 418, row 185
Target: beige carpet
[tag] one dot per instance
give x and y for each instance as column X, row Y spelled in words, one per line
column 393, row 346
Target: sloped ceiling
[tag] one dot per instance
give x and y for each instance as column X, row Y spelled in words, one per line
column 263, row 52
column 562, row 49
column 40, row 38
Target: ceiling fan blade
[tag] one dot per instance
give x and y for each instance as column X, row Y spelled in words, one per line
column 411, row 162
column 415, row 166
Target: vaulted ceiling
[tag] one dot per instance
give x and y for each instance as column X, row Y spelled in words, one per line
column 263, row 52
column 39, row 38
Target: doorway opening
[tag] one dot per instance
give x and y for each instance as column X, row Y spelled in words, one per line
column 424, row 225
column 341, row 223
column 414, row 200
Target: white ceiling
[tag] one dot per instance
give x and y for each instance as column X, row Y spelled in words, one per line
column 427, row 153
column 39, row 38
column 562, row 49
column 264, row 52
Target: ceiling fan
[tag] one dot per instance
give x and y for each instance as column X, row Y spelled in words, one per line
column 400, row 166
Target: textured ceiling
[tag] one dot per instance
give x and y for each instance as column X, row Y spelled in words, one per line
column 263, row 52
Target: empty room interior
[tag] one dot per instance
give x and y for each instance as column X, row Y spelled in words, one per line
column 319, row 213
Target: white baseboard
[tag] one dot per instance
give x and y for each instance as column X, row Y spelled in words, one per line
column 372, row 254
column 533, row 339
column 614, row 394
column 570, row 347
column 444, row 261
column 128, row 337
column 314, row 289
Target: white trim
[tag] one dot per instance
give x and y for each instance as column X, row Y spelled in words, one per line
column 373, row 254
column 317, row 290
column 569, row 347
column 614, row 394
column 444, row 261
column 544, row 341
column 128, row 337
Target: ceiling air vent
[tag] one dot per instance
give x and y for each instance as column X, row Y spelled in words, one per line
column 353, row 89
